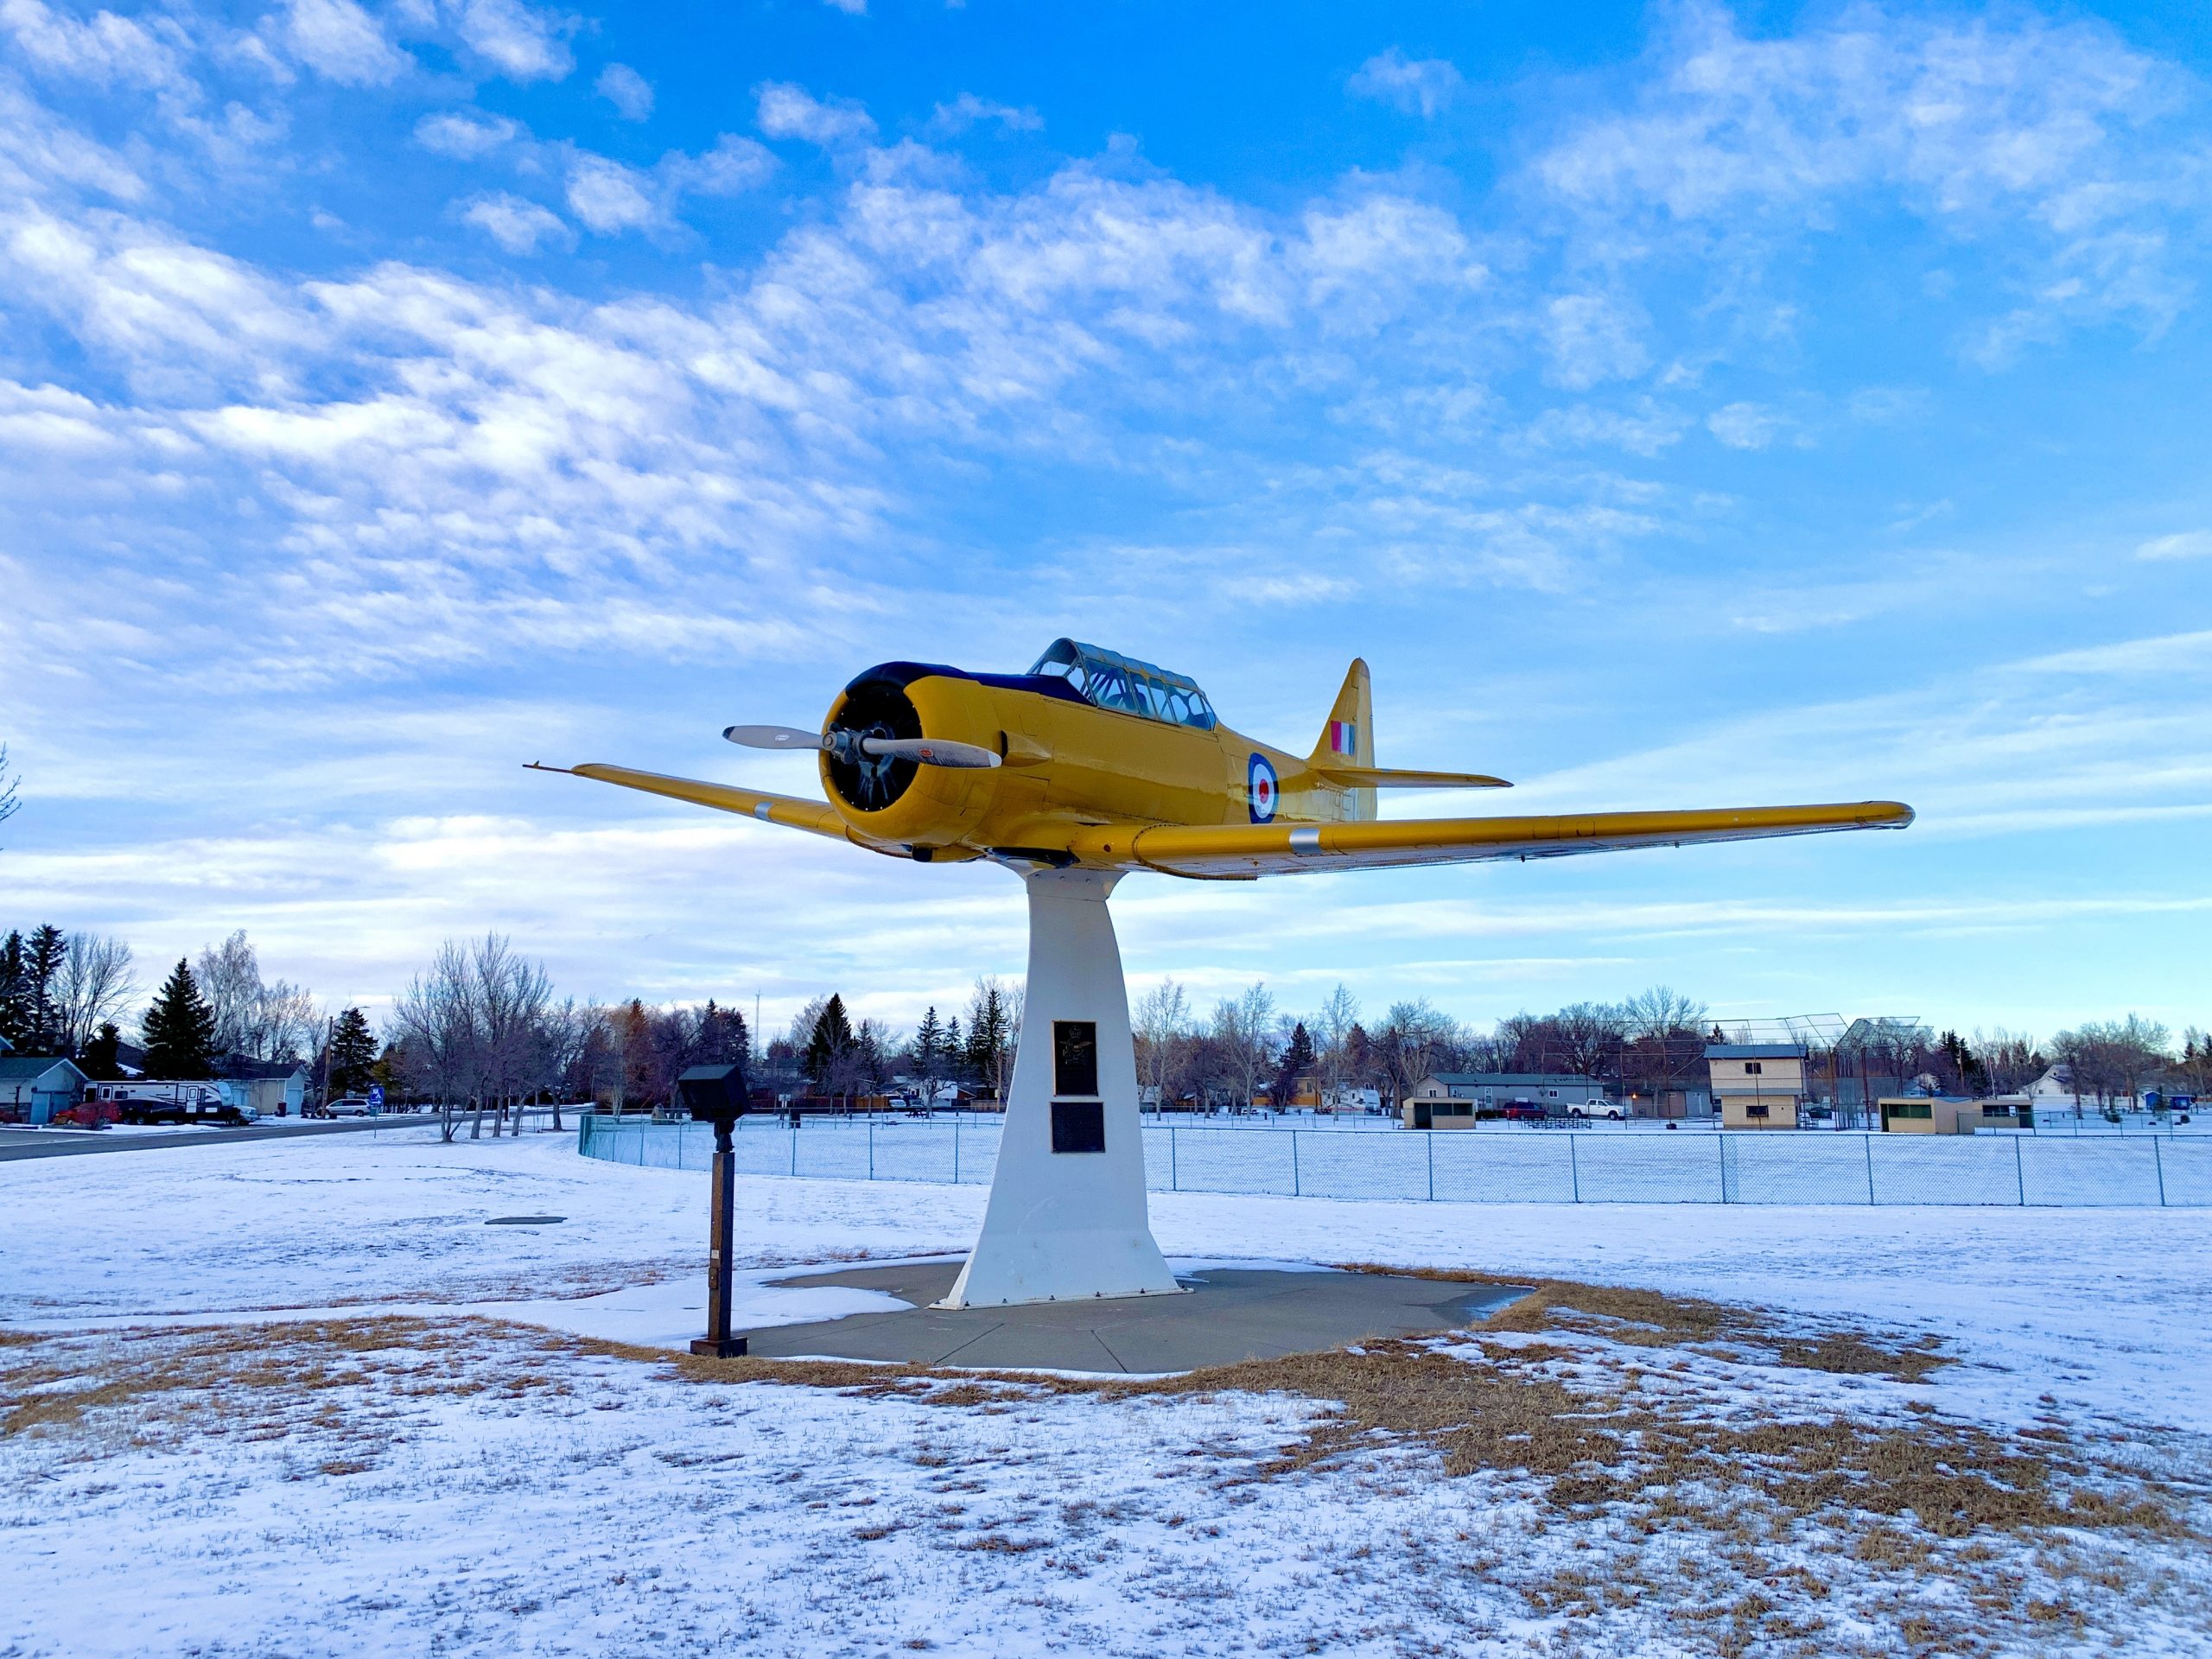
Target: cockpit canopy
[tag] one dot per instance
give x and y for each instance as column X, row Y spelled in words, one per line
column 1126, row 685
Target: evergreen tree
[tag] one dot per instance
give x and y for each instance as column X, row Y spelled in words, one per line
column 1297, row 1060
column 98, row 1060
column 41, row 962
column 353, row 1054
column 180, row 1029
column 724, row 1038
column 956, row 1051
column 15, row 1003
column 989, row 1040
column 831, row 1041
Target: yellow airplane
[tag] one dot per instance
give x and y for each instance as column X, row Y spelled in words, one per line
column 1092, row 760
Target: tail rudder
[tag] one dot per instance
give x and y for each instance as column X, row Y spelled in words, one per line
column 1348, row 735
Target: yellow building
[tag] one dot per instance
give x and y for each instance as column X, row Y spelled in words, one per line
column 1758, row 1085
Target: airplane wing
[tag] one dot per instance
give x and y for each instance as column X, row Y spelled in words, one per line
column 1237, row 850
column 793, row 811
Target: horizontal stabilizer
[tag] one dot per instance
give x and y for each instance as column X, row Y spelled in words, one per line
column 1391, row 777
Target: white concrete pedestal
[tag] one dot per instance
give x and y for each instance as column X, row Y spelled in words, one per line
column 1068, row 1225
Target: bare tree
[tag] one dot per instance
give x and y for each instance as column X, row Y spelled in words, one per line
column 1242, row 1026
column 1408, row 1044
column 10, row 803
column 264, row 1020
column 229, row 978
column 92, row 984
column 509, row 997
column 1334, row 1025
column 565, row 1042
column 1162, row 1028
column 434, row 1021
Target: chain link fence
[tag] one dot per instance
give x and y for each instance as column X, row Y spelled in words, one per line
column 1561, row 1168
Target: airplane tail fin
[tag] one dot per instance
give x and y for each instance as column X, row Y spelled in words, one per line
column 1348, row 735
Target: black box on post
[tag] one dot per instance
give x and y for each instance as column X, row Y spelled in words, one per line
column 712, row 1092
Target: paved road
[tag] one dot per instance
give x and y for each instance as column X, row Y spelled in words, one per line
column 76, row 1143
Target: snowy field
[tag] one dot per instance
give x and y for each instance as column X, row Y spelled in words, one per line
column 297, row 1398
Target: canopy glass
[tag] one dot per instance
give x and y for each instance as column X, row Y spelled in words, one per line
column 1126, row 685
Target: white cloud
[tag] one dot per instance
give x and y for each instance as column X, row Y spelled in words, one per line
column 1592, row 338
column 789, row 111
column 103, row 49
column 850, row 7
column 1744, row 426
column 611, row 198
column 2188, row 545
column 968, row 110
column 526, row 43
column 518, row 225
column 733, row 165
column 464, row 135
column 343, row 43
column 626, row 90
column 2035, row 129
column 1423, row 86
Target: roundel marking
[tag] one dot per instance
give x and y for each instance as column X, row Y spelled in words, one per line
column 1262, row 791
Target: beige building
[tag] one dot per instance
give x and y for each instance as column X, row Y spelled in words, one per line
column 1758, row 1085
column 1927, row 1115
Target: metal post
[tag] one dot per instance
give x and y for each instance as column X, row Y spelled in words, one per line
column 1431, row 1138
column 1573, row 1166
column 871, row 1152
column 1175, row 1176
column 1721, row 1138
column 1866, row 1145
column 956, row 1151
column 2159, row 1163
column 794, row 1135
column 2020, row 1172
column 721, row 1208
column 1294, row 1192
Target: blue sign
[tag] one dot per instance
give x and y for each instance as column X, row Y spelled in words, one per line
column 375, row 1096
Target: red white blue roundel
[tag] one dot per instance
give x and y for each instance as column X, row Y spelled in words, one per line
column 1261, row 789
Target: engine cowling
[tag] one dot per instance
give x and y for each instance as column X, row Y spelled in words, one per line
column 894, row 801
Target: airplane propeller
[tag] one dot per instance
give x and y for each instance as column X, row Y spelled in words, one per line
column 849, row 746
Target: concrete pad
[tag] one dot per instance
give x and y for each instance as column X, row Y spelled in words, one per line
column 1229, row 1315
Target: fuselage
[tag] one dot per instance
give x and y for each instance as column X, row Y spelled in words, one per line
column 1065, row 760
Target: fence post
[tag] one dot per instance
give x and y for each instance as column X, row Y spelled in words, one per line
column 956, row 1152
column 2020, row 1172
column 1431, row 1138
column 2159, row 1163
column 1574, row 1167
column 1175, row 1176
column 1294, row 1192
column 794, row 1135
column 1720, row 1145
column 1866, row 1146
column 871, row 1152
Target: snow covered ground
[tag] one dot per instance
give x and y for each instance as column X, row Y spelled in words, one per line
column 385, row 1468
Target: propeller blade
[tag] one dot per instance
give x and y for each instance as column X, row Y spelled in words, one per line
column 930, row 751
column 774, row 737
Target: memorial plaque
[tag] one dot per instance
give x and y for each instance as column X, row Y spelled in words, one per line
column 1075, row 1058
column 1078, row 1126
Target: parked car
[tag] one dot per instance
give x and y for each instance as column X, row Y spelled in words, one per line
column 1609, row 1109
column 349, row 1106
column 1523, row 1111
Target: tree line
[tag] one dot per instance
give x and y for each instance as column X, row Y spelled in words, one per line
column 480, row 1031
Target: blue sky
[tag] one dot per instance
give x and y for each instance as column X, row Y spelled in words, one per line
column 1675, row 405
